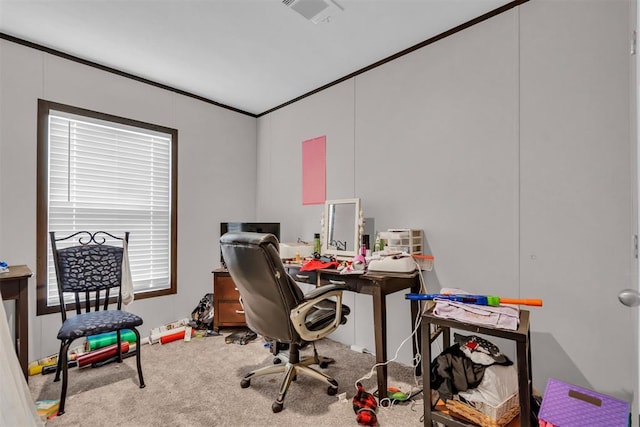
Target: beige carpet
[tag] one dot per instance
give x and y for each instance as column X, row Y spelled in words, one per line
column 197, row 383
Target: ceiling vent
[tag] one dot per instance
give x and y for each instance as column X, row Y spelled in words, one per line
column 315, row 11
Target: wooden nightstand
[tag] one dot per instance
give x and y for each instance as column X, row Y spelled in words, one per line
column 227, row 310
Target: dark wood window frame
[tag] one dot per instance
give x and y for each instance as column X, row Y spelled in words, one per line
column 44, row 108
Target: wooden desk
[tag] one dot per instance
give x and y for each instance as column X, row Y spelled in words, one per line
column 522, row 338
column 378, row 285
column 13, row 286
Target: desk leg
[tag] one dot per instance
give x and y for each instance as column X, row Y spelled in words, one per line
column 524, row 382
column 22, row 328
column 426, row 376
column 415, row 315
column 380, row 331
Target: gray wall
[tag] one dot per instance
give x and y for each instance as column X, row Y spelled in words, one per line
column 213, row 145
column 509, row 144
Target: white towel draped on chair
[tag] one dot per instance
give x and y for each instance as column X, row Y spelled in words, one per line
column 127, row 282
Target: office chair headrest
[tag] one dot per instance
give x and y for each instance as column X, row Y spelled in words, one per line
column 250, row 238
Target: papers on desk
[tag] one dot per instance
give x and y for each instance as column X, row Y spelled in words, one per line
column 353, row 269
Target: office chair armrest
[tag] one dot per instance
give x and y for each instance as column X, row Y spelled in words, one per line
column 299, row 314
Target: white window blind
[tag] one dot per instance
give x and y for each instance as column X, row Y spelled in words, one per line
column 106, row 176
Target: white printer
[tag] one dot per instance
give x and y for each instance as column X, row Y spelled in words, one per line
column 400, row 262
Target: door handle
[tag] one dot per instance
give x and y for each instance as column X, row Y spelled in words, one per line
column 629, row 297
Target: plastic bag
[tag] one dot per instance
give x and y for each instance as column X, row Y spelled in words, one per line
column 202, row 315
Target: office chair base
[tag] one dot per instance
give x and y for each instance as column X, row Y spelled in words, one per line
column 325, row 362
column 290, row 371
column 322, row 361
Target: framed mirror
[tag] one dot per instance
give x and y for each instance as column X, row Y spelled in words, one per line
column 341, row 227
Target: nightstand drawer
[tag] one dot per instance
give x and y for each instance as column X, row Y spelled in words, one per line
column 225, row 289
column 227, row 310
column 230, row 313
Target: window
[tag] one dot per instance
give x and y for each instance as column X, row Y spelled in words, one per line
column 101, row 172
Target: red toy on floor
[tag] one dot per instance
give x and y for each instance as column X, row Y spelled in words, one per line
column 365, row 406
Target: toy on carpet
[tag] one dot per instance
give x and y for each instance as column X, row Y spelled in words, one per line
column 365, row 406
column 394, row 393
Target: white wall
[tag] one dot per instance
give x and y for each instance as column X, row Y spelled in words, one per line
column 216, row 171
column 577, row 187
column 509, row 145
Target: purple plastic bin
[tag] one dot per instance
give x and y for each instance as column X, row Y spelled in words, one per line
column 567, row 405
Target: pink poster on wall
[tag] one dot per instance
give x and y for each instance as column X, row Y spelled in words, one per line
column 314, row 171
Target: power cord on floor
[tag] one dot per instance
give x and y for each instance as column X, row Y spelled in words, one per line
column 385, row 401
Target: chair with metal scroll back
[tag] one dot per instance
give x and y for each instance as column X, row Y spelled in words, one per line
column 276, row 308
column 91, row 269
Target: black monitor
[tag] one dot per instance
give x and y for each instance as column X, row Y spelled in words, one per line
column 256, row 227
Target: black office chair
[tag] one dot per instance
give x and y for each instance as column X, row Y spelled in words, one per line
column 90, row 269
column 276, row 308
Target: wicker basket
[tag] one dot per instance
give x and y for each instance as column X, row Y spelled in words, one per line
column 489, row 416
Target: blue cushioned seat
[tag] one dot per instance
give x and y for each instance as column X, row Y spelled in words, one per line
column 97, row 322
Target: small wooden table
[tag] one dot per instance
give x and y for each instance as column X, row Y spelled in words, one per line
column 522, row 339
column 13, row 286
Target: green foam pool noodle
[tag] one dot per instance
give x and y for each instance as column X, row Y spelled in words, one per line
column 108, row 338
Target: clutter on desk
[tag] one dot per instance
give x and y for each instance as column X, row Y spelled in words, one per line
column 358, row 264
column 389, row 261
column 319, row 263
column 393, row 262
column 4, row 267
column 401, row 240
column 297, row 250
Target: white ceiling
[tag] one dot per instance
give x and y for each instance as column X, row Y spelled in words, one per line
column 251, row 55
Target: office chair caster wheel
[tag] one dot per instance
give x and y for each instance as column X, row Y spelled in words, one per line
column 324, row 365
column 332, row 391
column 245, row 383
column 276, row 407
column 276, row 361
